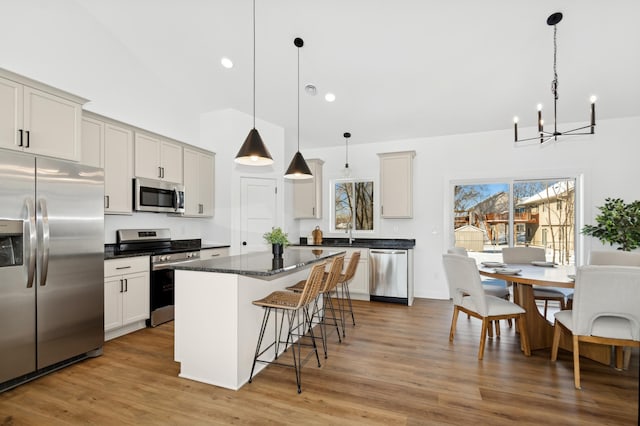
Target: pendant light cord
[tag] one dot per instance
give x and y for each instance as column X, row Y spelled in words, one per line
column 298, row 99
column 554, row 83
column 254, row 64
column 346, row 164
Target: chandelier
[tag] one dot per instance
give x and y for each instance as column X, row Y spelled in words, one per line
column 544, row 135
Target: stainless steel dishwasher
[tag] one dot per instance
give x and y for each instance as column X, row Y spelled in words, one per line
column 388, row 277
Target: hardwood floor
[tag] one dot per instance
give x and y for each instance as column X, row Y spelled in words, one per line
column 395, row 367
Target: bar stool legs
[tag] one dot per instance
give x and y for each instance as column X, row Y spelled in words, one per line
column 296, row 306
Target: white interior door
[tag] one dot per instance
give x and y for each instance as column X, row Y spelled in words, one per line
column 258, row 208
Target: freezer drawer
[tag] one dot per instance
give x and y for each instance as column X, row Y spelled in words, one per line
column 388, row 276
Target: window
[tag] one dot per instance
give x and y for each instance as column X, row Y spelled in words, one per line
column 353, row 205
column 538, row 213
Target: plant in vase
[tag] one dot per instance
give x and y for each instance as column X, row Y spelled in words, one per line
column 617, row 223
column 278, row 239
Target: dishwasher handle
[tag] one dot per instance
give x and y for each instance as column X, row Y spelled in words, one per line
column 388, row 251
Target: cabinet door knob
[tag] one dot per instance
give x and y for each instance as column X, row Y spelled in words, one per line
column 244, row 243
column 21, row 133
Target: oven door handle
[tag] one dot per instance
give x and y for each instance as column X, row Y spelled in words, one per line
column 161, row 266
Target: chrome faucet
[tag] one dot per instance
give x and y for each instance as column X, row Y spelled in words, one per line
column 349, row 231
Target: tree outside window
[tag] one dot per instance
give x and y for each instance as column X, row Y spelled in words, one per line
column 353, row 202
column 541, row 214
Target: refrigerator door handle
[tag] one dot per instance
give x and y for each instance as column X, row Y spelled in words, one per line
column 33, row 241
column 44, row 263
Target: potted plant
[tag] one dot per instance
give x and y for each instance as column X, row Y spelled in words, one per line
column 617, row 223
column 278, row 240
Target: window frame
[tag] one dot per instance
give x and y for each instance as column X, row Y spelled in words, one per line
column 579, row 204
column 332, row 210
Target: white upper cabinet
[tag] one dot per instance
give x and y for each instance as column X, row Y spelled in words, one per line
column 109, row 144
column 39, row 119
column 307, row 193
column 157, row 158
column 92, row 142
column 199, row 176
column 396, row 184
column 118, row 169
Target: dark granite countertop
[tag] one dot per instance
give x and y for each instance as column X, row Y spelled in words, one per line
column 374, row 243
column 111, row 251
column 260, row 264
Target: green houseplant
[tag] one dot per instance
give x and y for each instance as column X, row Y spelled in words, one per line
column 278, row 240
column 617, row 223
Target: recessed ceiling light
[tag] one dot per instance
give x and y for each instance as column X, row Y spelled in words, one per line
column 226, row 62
column 329, row 97
column 310, row 89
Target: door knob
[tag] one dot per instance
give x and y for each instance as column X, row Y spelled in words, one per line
column 244, row 243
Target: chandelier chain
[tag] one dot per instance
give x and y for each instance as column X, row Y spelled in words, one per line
column 554, row 83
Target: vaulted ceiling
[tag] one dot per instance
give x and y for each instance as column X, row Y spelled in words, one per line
column 399, row 69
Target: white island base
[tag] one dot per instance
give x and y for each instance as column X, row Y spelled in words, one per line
column 217, row 326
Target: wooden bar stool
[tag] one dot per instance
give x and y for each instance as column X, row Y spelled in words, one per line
column 324, row 310
column 295, row 306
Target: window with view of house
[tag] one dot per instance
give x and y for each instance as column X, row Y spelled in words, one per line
column 539, row 213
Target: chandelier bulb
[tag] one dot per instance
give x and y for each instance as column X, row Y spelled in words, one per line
column 593, row 99
column 515, row 119
column 539, row 106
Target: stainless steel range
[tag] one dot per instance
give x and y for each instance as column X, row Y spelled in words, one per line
column 164, row 254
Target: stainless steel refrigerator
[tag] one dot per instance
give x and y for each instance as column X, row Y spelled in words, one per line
column 51, row 265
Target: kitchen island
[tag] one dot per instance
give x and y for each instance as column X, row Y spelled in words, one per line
column 216, row 326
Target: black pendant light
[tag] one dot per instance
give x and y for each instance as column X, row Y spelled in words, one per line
column 346, row 171
column 298, row 168
column 253, row 152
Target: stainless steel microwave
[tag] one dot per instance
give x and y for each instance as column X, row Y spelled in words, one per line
column 157, row 196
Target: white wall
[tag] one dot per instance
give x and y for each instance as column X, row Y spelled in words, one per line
column 226, row 130
column 607, row 162
column 222, row 132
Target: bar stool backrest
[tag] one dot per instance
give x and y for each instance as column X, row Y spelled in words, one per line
column 313, row 284
column 353, row 265
column 334, row 274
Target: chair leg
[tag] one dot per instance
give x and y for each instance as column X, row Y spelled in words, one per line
column 345, row 292
column 546, row 303
column 483, row 337
column 497, row 325
column 576, row 362
column 490, row 330
column 524, row 335
column 263, row 327
column 454, row 321
column 556, row 341
column 334, row 317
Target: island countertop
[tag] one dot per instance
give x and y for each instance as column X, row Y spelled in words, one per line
column 260, row 264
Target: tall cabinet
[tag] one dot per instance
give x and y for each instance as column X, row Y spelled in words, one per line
column 396, row 184
column 307, row 193
column 39, row 119
column 109, row 144
column 199, row 176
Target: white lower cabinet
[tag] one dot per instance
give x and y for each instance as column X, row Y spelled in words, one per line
column 359, row 285
column 212, row 253
column 126, row 295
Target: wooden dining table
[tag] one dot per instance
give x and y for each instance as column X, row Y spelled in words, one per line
column 539, row 328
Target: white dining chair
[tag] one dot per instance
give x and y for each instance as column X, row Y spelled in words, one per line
column 605, row 311
column 469, row 297
column 617, row 257
column 520, row 255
